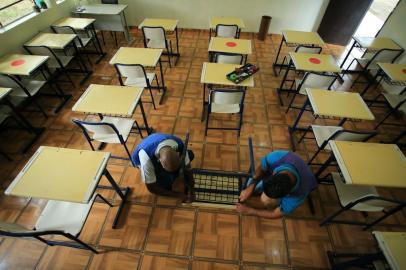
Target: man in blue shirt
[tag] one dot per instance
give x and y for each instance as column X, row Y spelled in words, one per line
column 281, row 183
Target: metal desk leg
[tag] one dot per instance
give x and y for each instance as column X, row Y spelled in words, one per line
column 163, row 81
column 279, row 90
column 102, row 53
column 277, row 56
column 147, row 128
column 324, row 166
column 369, row 83
column 295, row 127
column 65, row 98
column 203, row 101
column 348, row 54
column 342, row 122
column 125, row 26
column 123, row 196
column 177, row 46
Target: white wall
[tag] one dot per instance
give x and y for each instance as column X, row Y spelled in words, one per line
column 13, row 39
column 394, row 28
column 286, row 14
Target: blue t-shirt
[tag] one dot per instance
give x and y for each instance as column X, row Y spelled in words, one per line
column 288, row 203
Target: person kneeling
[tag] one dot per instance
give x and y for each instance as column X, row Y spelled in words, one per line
column 281, row 183
column 159, row 158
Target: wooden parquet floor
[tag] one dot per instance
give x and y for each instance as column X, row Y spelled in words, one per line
column 161, row 233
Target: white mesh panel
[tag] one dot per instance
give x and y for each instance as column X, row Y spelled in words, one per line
column 133, row 72
column 99, row 129
column 226, row 97
column 317, row 81
column 229, row 59
column 154, row 33
column 352, row 137
column 227, row 31
column 301, row 49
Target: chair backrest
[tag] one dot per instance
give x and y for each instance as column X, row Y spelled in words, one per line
column 98, row 128
column 393, row 89
column 384, row 56
column 226, row 97
column 227, row 58
column 227, row 30
column 316, row 80
column 308, row 49
column 352, row 136
column 114, row 2
column 153, row 33
column 44, row 50
column 130, row 71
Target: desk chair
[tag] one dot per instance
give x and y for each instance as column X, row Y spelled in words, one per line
column 370, row 64
column 227, row 30
column 23, row 92
column 58, row 218
column 324, row 134
column 155, row 38
column 108, row 130
column 396, row 103
column 82, row 39
column 300, row 49
column 310, row 80
column 228, row 58
column 228, row 102
column 360, row 198
column 56, row 63
column 136, row 76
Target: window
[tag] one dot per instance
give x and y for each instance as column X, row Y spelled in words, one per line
column 11, row 10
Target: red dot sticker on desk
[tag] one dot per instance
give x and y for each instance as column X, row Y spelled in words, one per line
column 314, row 60
column 231, row 44
column 404, row 70
column 17, row 63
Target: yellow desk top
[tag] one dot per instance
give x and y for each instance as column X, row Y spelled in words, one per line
column 4, row 92
column 314, row 62
column 214, row 73
column 21, row 64
column 230, row 45
column 302, row 38
column 339, row 104
column 109, row 100
column 60, row 174
column 373, row 164
column 376, row 43
column 167, row 24
column 53, row 41
column 143, row 56
column 75, row 23
column 393, row 246
column 226, row 20
column 396, row 72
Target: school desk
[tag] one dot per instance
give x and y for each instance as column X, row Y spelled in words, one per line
column 229, row 45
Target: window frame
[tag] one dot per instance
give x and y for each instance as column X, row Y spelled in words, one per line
column 12, row 4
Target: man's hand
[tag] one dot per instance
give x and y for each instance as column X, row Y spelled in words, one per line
column 243, row 209
column 246, row 193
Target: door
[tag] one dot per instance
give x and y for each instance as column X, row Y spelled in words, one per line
column 341, row 19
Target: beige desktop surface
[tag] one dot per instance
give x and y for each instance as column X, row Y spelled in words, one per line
column 21, row 64
column 314, row 62
column 143, row 56
column 214, row 73
column 302, row 38
column 230, row 45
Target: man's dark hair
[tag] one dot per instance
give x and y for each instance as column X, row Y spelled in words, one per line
column 278, row 185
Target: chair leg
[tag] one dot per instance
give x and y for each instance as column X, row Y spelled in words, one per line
column 128, row 153
column 313, row 157
column 152, row 96
column 280, row 69
column 69, row 77
column 83, row 244
column 240, row 124
column 386, row 117
column 40, row 108
column 104, row 200
column 139, row 129
column 304, row 134
column 290, row 103
column 104, row 41
column 207, row 122
column 115, row 38
column 356, row 79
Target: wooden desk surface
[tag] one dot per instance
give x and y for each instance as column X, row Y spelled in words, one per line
column 143, row 56
column 376, row 43
column 102, row 9
column 396, row 72
column 226, row 20
column 230, row 45
column 21, row 64
column 339, row 104
column 109, row 100
column 167, row 24
column 393, row 246
column 4, row 92
column 314, row 62
column 51, row 40
column 214, row 73
column 373, row 164
column 60, row 174
column 302, row 38
column 75, row 23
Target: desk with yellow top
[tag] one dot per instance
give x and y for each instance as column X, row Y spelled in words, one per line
column 372, row 45
column 146, row 57
column 214, row 21
column 229, row 46
column 21, row 64
column 59, row 42
column 169, row 25
column 392, row 246
column 111, row 100
column 332, row 104
column 297, row 38
column 47, row 176
column 85, row 25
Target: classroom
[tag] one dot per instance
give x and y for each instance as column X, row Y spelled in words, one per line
column 202, row 135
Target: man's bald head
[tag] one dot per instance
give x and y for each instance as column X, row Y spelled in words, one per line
column 169, row 158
